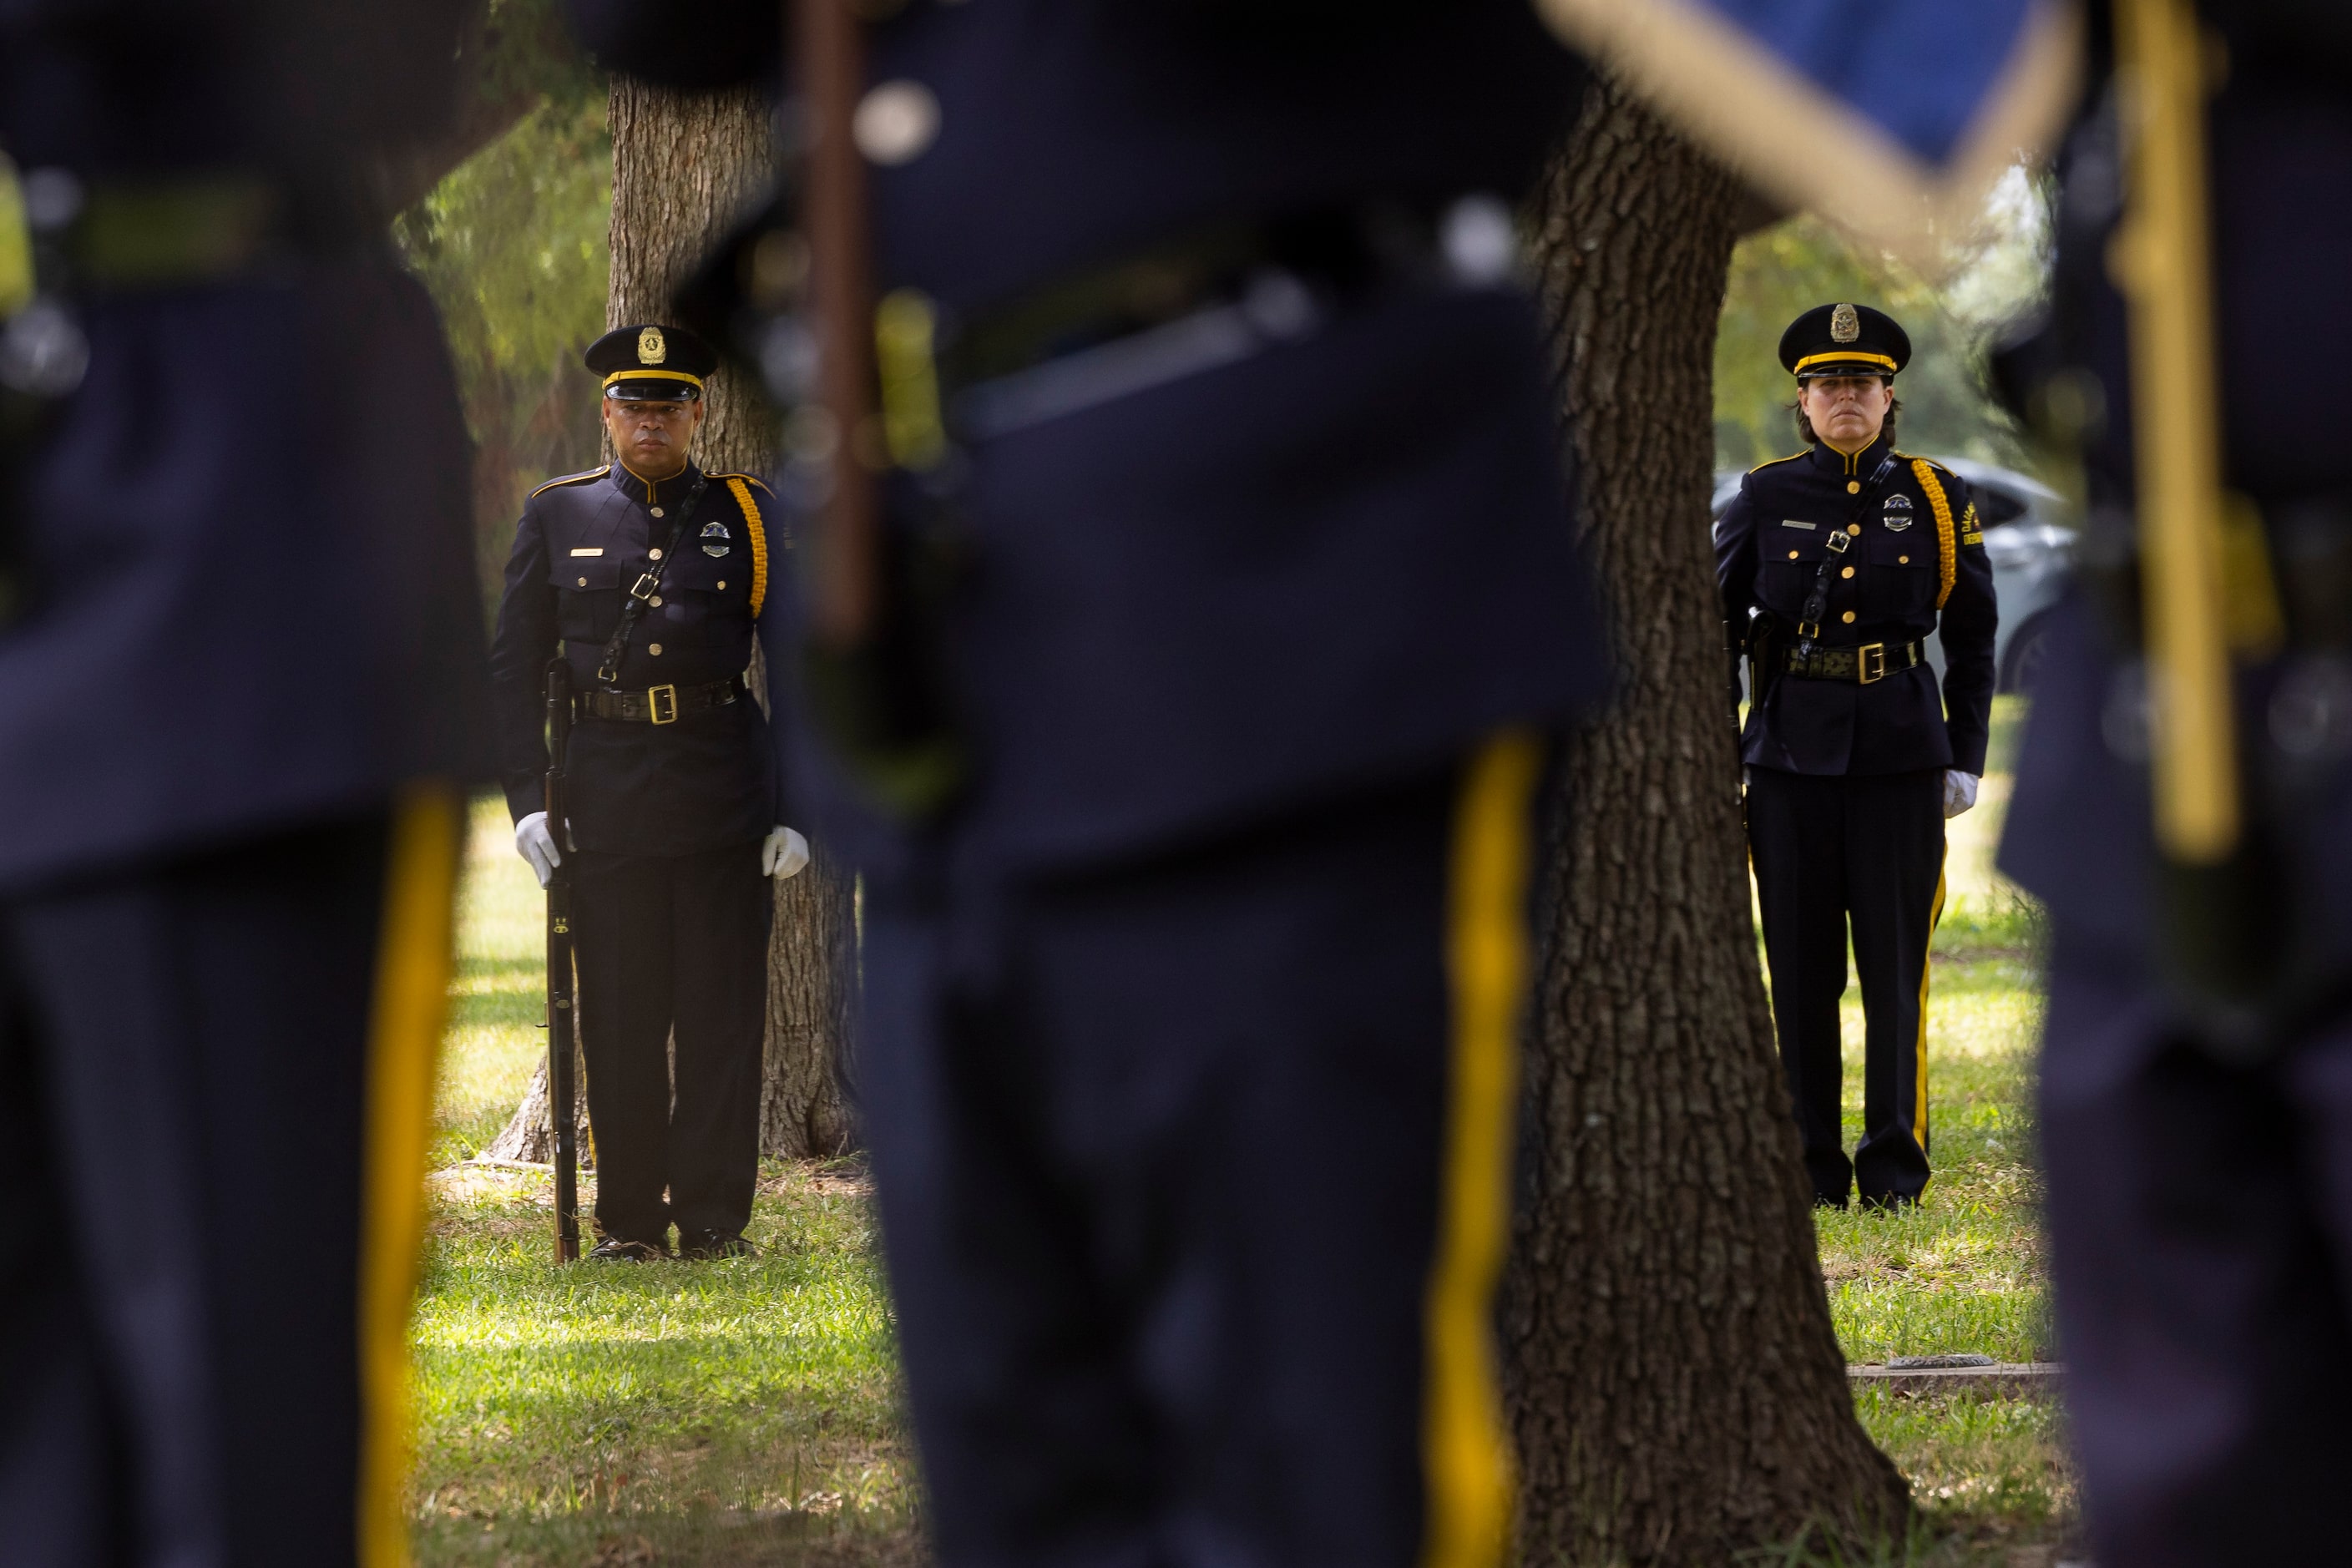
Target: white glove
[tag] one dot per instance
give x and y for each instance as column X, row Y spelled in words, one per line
column 1960, row 791
column 783, row 854
column 535, row 843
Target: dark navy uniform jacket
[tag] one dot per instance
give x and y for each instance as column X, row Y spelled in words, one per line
column 299, row 87
column 1912, row 567
column 1337, row 560
column 1074, row 132
column 240, row 624
column 2080, row 835
column 705, row 781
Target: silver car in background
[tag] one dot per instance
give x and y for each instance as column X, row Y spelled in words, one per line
column 2030, row 534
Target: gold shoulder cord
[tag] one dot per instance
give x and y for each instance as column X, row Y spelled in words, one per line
column 1947, row 561
column 752, row 521
column 2162, row 262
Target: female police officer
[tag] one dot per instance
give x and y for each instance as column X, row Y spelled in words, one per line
column 1836, row 565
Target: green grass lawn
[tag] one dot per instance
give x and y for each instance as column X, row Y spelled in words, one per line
column 749, row 1412
column 715, row 1414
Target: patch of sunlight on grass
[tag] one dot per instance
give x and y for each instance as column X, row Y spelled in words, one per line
column 554, row 1401
column 1965, row 1271
column 499, row 995
column 1987, row 1456
column 739, row 1412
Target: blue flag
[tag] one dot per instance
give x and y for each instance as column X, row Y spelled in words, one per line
column 1891, row 116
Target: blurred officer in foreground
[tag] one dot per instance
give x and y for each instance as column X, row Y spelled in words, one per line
column 1225, row 511
column 241, row 693
column 649, row 576
column 2196, row 1071
column 1848, row 556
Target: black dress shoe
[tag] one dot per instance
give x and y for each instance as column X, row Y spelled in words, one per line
column 709, row 1244
column 614, row 1249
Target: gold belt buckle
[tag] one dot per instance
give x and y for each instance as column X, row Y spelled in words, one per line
column 654, row 697
column 1870, row 662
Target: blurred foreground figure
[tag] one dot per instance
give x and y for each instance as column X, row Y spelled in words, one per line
column 2197, row 1075
column 1225, row 532
column 240, row 689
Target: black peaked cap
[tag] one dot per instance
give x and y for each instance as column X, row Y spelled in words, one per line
column 1845, row 340
column 651, row 361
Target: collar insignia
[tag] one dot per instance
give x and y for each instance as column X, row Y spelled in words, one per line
column 1844, row 325
column 651, row 349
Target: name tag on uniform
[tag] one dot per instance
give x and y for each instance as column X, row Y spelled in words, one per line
column 1792, row 522
column 599, row 550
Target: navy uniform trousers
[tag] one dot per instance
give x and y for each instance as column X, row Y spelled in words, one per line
column 206, row 1075
column 673, row 947
column 2201, row 1222
column 1865, row 852
column 2199, row 1215
column 1193, row 1173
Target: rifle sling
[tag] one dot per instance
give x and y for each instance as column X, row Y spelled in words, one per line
column 1817, row 598
column 648, row 583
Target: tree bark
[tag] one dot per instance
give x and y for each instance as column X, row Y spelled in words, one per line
column 685, row 166
column 1675, row 1388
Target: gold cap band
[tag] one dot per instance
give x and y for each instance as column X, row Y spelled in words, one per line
column 1841, row 357
column 653, row 372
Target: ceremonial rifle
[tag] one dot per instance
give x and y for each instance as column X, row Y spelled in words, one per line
column 871, row 661
column 829, row 40
column 562, row 1012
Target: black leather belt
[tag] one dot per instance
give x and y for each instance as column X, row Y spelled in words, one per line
column 1334, row 248
column 1870, row 662
column 659, row 704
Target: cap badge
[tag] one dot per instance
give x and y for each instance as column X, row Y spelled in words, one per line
column 1844, row 324
column 715, row 539
column 651, row 350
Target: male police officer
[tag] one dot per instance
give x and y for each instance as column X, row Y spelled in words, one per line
column 1188, row 1023
column 240, row 699
column 1848, row 556
column 651, row 575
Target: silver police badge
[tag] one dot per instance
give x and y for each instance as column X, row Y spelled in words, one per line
column 1896, row 514
column 1845, row 325
column 715, row 539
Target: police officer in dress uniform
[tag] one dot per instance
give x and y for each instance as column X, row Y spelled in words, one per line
column 1188, row 1022
column 650, row 576
column 2198, row 1135
column 241, row 695
column 1836, row 565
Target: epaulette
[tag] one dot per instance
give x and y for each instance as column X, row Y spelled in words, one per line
column 573, row 480
column 1775, row 462
column 1915, row 458
column 752, row 478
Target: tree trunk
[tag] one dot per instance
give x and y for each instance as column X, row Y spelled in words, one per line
column 1676, row 1391
column 685, row 166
